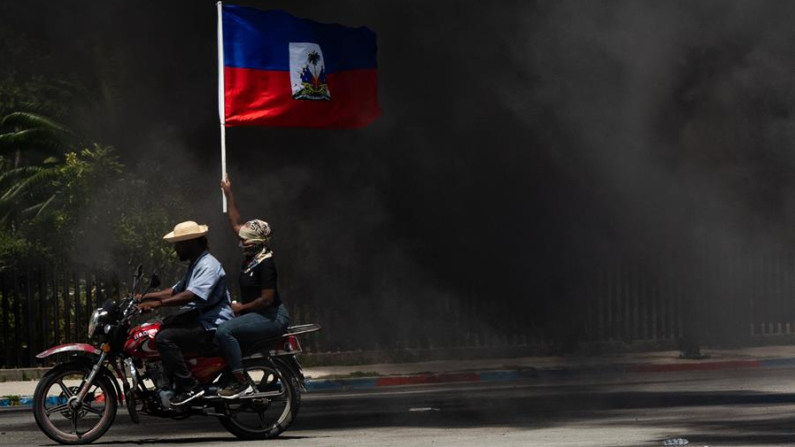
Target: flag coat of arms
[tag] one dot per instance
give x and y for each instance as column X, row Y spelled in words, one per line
column 283, row 71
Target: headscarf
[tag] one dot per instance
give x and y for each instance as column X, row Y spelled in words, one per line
column 256, row 233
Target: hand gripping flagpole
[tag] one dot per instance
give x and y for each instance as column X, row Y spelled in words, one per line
column 221, row 110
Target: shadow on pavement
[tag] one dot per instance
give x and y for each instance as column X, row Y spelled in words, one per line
column 596, row 406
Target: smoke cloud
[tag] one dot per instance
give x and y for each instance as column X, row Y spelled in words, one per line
column 523, row 145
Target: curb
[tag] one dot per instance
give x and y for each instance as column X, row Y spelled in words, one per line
column 518, row 374
column 419, row 379
column 25, row 402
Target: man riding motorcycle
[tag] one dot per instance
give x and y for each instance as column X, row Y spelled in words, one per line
column 204, row 303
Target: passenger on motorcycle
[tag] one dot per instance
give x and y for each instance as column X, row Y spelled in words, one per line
column 204, row 304
column 261, row 314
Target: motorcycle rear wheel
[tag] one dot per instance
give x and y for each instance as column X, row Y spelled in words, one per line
column 57, row 419
column 264, row 418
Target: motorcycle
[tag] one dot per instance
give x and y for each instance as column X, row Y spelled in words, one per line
column 76, row 401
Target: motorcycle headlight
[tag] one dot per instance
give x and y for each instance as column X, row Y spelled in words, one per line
column 97, row 321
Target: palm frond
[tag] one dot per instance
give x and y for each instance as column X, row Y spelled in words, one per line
column 37, row 181
column 33, row 140
column 47, row 203
column 33, row 208
column 19, row 172
column 28, row 120
column 39, row 207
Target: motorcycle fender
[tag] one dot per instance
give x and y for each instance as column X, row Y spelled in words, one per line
column 292, row 364
column 72, row 347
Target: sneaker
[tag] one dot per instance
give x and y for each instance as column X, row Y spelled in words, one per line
column 187, row 396
column 235, row 389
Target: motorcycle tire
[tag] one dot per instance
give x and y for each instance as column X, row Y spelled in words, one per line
column 270, row 429
column 42, row 413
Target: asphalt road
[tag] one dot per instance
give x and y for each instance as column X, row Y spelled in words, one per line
column 754, row 407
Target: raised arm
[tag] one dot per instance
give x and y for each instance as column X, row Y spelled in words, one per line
column 235, row 220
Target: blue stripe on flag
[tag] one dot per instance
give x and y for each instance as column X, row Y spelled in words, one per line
column 260, row 40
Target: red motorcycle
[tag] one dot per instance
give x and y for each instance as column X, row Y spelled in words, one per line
column 76, row 401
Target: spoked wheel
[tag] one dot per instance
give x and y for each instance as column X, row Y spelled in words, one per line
column 264, row 417
column 62, row 417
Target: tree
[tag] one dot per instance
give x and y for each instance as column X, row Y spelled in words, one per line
column 47, row 175
column 33, row 152
column 42, row 165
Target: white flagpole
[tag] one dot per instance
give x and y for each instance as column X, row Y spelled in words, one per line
column 221, row 111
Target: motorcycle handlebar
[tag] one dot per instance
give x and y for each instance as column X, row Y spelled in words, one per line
column 129, row 308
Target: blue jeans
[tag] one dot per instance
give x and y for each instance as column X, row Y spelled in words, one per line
column 249, row 328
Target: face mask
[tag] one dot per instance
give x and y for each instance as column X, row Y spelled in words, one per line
column 249, row 250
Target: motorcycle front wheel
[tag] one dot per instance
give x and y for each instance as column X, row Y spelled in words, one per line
column 264, row 417
column 61, row 417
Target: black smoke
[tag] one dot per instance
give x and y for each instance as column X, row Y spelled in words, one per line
column 523, row 146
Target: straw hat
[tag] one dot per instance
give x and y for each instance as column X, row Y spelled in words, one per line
column 187, row 230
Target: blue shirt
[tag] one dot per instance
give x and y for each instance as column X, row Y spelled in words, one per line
column 207, row 280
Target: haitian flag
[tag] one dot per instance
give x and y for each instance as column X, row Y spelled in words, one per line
column 283, row 71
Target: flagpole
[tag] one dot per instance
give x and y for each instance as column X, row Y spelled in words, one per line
column 221, row 110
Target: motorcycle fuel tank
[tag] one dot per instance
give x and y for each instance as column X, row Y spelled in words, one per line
column 141, row 343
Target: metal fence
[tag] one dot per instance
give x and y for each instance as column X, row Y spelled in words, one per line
column 732, row 300
column 41, row 307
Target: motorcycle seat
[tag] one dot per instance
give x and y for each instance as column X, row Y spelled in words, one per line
column 260, row 346
column 209, row 350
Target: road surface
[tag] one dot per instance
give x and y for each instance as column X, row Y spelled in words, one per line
column 753, row 407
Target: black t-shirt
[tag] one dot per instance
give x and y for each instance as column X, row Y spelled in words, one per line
column 263, row 276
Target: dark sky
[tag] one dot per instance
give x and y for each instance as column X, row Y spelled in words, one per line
column 522, row 144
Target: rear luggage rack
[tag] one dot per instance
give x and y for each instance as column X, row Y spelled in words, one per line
column 302, row 329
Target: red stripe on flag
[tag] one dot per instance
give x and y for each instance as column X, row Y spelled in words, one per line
column 264, row 98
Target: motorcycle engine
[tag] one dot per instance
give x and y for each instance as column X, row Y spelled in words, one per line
column 156, row 374
column 165, row 395
column 163, row 389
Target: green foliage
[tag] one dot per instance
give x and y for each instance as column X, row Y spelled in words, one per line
column 28, row 138
column 141, row 219
column 53, row 209
column 43, row 204
column 55, row 198
column 15, row 247
column 64, row 197
column 36, row 167
column 85, row 172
